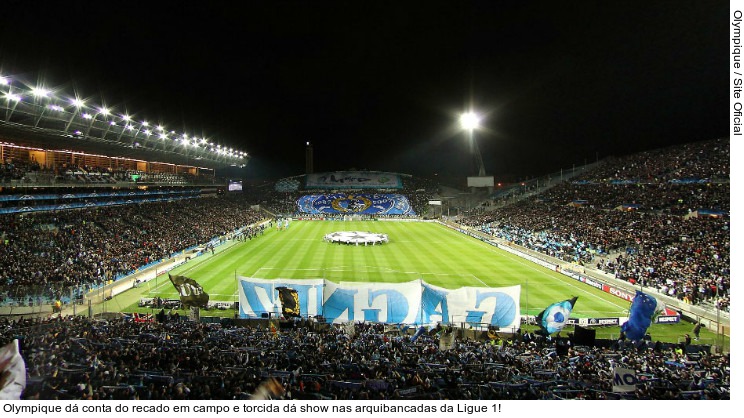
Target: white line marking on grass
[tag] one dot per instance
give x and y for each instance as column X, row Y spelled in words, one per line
column 533, row 266
column 481, row 281
column 202, row 259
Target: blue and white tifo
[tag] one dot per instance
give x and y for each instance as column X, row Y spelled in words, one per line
column 355, row 203
column 415, row 302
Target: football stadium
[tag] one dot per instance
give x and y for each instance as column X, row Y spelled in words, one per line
column 138, row 263
column 101, row 251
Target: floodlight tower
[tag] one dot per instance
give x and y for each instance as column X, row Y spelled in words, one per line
column 470, row 121
column 308, row 158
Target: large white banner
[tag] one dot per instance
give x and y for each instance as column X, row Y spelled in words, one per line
column 12, row 372
column 353, row 180
column 495, row 306
column 259, row 296
column 414, row 302
column 391, row 303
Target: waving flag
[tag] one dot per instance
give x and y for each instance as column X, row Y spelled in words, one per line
column 419, row 332
column 642, row 311
column 349, row 328
column 447, row 340
column 191, row 292
column 290, row 302
column 12, row 372
column 555, row 316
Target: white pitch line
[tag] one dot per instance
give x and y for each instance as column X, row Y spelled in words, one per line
column 542, row 272
column 481, row 281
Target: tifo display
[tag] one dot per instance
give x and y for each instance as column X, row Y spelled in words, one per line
column 356, row 238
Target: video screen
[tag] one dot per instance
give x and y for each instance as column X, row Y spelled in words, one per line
column 235, row 186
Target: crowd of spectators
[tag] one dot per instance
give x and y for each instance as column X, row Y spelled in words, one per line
column 15, row 169
column 43, row 255
column 282, row 200
column 642, row 233
column 20, row 172
column 709, row 159
column 55, row 250
column 118, row 359
column 648, row 241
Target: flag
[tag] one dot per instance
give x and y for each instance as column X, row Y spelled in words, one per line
column 447, row 340
column 391, row 329
column 555, row 316
column 421, row 331
column 623, row 380
column 12, row 372
column 194, row 314
column 142, row 317
column 191, row 292
column 396, row 328
column 349, row 328
column 290, row 301
column 642, row 311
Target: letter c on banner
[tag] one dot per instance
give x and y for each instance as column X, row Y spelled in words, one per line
column 505, row 310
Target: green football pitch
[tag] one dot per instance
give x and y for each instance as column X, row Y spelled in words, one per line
column 416, row 250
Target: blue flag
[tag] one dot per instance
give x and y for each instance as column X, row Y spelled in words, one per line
column 641, row 313
column 555, row 316
column 418, row 333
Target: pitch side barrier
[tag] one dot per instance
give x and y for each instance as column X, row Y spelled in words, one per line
column 671, row 316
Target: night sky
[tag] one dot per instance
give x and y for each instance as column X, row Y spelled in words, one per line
column 379, row 85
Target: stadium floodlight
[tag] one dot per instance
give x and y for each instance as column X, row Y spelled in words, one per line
column 470, row 121
column 110, row 124
column 12, row 97
column 42, row 102
column 127, row 125
column 77, row 102
column 40, row 92
column 103, row 110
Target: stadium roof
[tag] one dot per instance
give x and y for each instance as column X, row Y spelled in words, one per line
column 39, row 138
column 39, row 117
